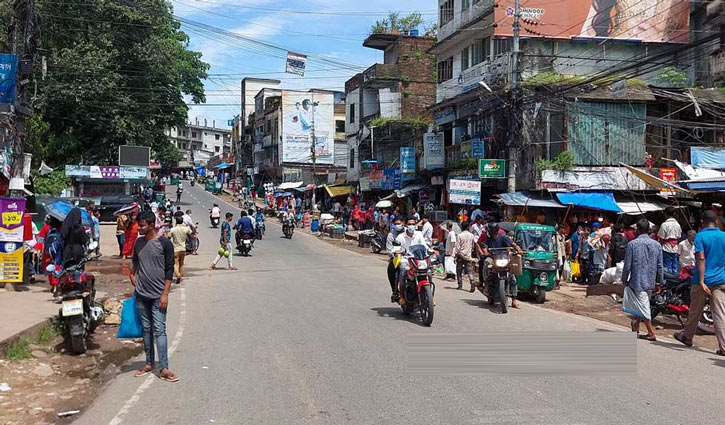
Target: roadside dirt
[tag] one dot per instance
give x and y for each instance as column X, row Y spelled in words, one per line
column 52, row 380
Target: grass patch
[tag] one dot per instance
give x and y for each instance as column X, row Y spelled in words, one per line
column 18, row 349
column 46, row 334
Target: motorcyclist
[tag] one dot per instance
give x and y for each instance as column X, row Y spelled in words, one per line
column 496, row 240
column 250, row 214
column 405, row 240
column 215, row 211
column 244, row 227
column 395, row 230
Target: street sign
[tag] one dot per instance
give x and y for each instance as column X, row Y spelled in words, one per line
column 492, row 168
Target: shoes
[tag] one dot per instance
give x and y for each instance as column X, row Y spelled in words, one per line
column 394, row 298
column 472, row 290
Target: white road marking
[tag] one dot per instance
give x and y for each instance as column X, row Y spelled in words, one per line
column 151, row 378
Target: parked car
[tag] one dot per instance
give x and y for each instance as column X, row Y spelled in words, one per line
column 111, row 203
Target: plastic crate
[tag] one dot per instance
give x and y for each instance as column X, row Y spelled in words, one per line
column 364, row 240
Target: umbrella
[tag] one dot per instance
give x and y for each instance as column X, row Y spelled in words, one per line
column 384, row 204
column 126, row 209
column 456, row 227
column 60, row 209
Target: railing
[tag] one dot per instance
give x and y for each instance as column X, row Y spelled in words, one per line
column 380, row 71
column 464, row 17
column 453, row 155
column 494, row 72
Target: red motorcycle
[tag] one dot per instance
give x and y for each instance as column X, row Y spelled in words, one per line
column 418, row 289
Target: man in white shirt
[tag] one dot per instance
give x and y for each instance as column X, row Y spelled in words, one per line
column 670, row 234
column 478, row 227
column 686, row 250
column 449, row 247
column 426, row 229
column 408, row 238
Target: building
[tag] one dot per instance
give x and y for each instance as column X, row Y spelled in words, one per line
column 200, row 142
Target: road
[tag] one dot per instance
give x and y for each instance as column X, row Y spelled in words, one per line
column 304, row 333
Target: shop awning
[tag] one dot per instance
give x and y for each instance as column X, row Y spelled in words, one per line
column 222, row 166
column 654, row 181
column 521, row 199
column 335, row 191
column 407, row 190
column 603, row 201
column 636, row 208
column 289, row 185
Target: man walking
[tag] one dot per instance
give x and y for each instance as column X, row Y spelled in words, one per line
column 450, row 246
column 642, row 271
column 179, row 235
column 710, row 278
column 463, row 254
column 225, row 242
column 426, row 229
column 669, row 235
column 151, row 274
column 686, row 250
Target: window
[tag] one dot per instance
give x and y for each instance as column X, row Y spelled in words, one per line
column 445, row 70
column 184, row 132
column 502, row 45
column 352, row 113
column 480, row 50
column 216, row 137
column 465, row 4
column 446, row 12
column 269, row 126
column 464, row 59
column 339, row 126
column 352, row 158
column 216, row 149
column 184, row 146
column 193, row 134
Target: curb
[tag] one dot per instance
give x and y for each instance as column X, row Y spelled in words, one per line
column 31, row 331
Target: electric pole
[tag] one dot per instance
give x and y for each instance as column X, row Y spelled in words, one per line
column 313, row 148
column 515, row 113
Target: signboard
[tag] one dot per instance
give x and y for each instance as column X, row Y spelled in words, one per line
column 77, row 170
column 296, row 64
column 477, row 148
column 300, row 112
column 407, row 160
column 364, row 184
column 466, row 192
column 11, row 261
column 651, row 21
column 669, row 175
column 492, row 168
column 376, row 179
column 8, row 77
column 11, row 219
column 391, row 179
column 433, row 153
column 134, row 155
column 444, row 116
column 134, row 172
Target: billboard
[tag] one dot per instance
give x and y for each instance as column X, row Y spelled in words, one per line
column 407, row 160
column 303, row 112
column 651, row 21
column 467, row 192
column 139, row 156
column 433, row 153
column 8, row 85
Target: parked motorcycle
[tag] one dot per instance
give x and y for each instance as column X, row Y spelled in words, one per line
column 79, row 313
column 501, row 281
column 418, row 289
column 288, row 227
column 377, row 243
column 245, row 243
column 674, row 299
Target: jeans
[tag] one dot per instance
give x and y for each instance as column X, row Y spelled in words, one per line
column 152, row 318
column 464, row 266
column 121, row 239
column 669, row 260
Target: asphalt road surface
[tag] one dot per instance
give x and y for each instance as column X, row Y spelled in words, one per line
column 304, row 333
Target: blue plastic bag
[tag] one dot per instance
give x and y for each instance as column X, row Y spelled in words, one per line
column 130, row 320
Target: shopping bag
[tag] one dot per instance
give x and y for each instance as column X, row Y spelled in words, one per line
column 566, row 275
column 575, row 269
column 450, row 265
column 130, row 320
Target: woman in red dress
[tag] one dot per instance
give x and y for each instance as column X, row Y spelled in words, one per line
column 131, row 235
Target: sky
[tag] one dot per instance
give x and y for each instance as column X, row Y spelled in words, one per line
column 330, row 32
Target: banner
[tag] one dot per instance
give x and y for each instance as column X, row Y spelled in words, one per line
column 477, row 148
column 11, row 219
column 77, row 170
column 391, row 179
column 651, row 21
column 407, row 160
column 296, row 63
column 433, row 153
column 444, row 116
column 303, row 113
column 8, row 83
column 364, row 184
column 134, row 172
column 492, row 168
column 466, row 192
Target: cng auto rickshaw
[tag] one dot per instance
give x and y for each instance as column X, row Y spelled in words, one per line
column 539, row 261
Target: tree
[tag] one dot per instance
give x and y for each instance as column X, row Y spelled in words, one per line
column 117, row 73
column 394, row 23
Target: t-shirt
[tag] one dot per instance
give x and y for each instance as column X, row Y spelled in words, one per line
column 178, row 235
column 711, row 241
column 501, row 241
column 450, row 241
column 427, row 231
column 464, row 245
column 228, row 228
column 153, row 261
column 245, row 225
column 215, row 212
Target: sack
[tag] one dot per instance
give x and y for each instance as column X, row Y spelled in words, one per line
column 575, row 269
column 130, row 320
column 450, row 265
column 566, row 275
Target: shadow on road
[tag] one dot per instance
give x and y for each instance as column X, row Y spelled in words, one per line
column 397, row 314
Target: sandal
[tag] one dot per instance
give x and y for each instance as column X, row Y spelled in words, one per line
column 647, row 337
column 169, row 376
column 680, row 337
column 144, row 371
column 233, row 268
column 720, row 352
column 632, row 324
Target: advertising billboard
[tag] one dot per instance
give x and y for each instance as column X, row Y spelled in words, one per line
column 433, row 153
column 8, row 85
column 467, row 192
column 407, row 160
column 134, row 155
column 651, row 21
column 303, row 112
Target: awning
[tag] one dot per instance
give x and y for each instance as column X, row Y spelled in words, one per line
column 335, row 191
column 521, row 199
column 636, row 208
column 289, row 185
column 603, row 201
column 402, row 193
column 654, row 181
column 222, row 166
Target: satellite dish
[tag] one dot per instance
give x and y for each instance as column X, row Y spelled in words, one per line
column 44, row 169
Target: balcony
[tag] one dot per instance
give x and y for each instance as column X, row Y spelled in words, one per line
column 496, row 73
column 463, row 18
column 381, row 73
column 267, row 141
column 453, row 155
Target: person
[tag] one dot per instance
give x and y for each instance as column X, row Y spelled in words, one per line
column 129, row 239
column 476, row 213
column 95, row 224
column 686, row 250
column 225, row 242
column 642, row 272
column 336, row 208
column 383, row 221
column 450, row 245
column 708, row 281
column 215, row 211
column 151, row 273
column 179, row 235
column 618, row 246
column 415, row 215
column 574, row 242
column 179, row 191
column 298, row 202
column 345, row 217
column 669, row 235
column 161, row 220
column 396, row 230
column 560, row 252
column 463, row 253
column 75, row 238
column 406, row 239
column 477, row 227
column 495, row 240
column 121, row 224
column 245, row 225
column 600, row 253
column 369, row 218
column 426, row 229
column 585, row 254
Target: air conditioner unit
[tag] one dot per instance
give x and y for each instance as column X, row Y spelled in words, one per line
column 438, row 216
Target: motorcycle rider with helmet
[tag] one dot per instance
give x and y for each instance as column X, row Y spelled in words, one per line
column 411, row 236
column 496, row 240
column 395, row 230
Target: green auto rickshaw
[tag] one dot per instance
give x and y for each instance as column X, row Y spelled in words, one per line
column 540, row 262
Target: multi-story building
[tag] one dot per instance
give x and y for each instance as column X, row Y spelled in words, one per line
column 200, row 142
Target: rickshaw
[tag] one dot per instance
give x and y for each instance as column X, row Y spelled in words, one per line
column 539, row 261
column 175, row 179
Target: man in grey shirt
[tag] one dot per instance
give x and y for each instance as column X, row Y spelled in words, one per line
column 151, row 275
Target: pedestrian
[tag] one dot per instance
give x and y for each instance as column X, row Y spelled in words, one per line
column 686, row 251
column 585, row 254
column 129, row 239
column 426, row 229
column 151, row 274
column 600, row 244
column 160, row 220
column 669, row 235
column 560, row 252
column 463, row 254
column 336, row 209
column 450, row 247
column 179, row 234
column 415, row 215
column 708, row 281
column 225, row 243
column 477, row 227
column 642, row 273
column 121, row 224
column 618, row 246
column 369, row 218
column 298, row 203
column 383, row 221
column 574, row 242
column 345, row 217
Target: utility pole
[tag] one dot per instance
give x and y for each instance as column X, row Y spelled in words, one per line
column 314, row 151
column 515, row 113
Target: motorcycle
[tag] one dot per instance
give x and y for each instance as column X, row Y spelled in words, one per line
column 377, row 243
column 418, row 289
column 245, row 243
column 214, row 220
column 674, row 299
column 260, row 229
column 288, row 227
column 79, row 313
column 501, row 280
column 191, row 182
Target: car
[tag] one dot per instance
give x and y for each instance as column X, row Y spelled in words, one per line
column 112, row 203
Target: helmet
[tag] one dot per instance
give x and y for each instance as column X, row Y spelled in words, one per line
column 493, row 229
